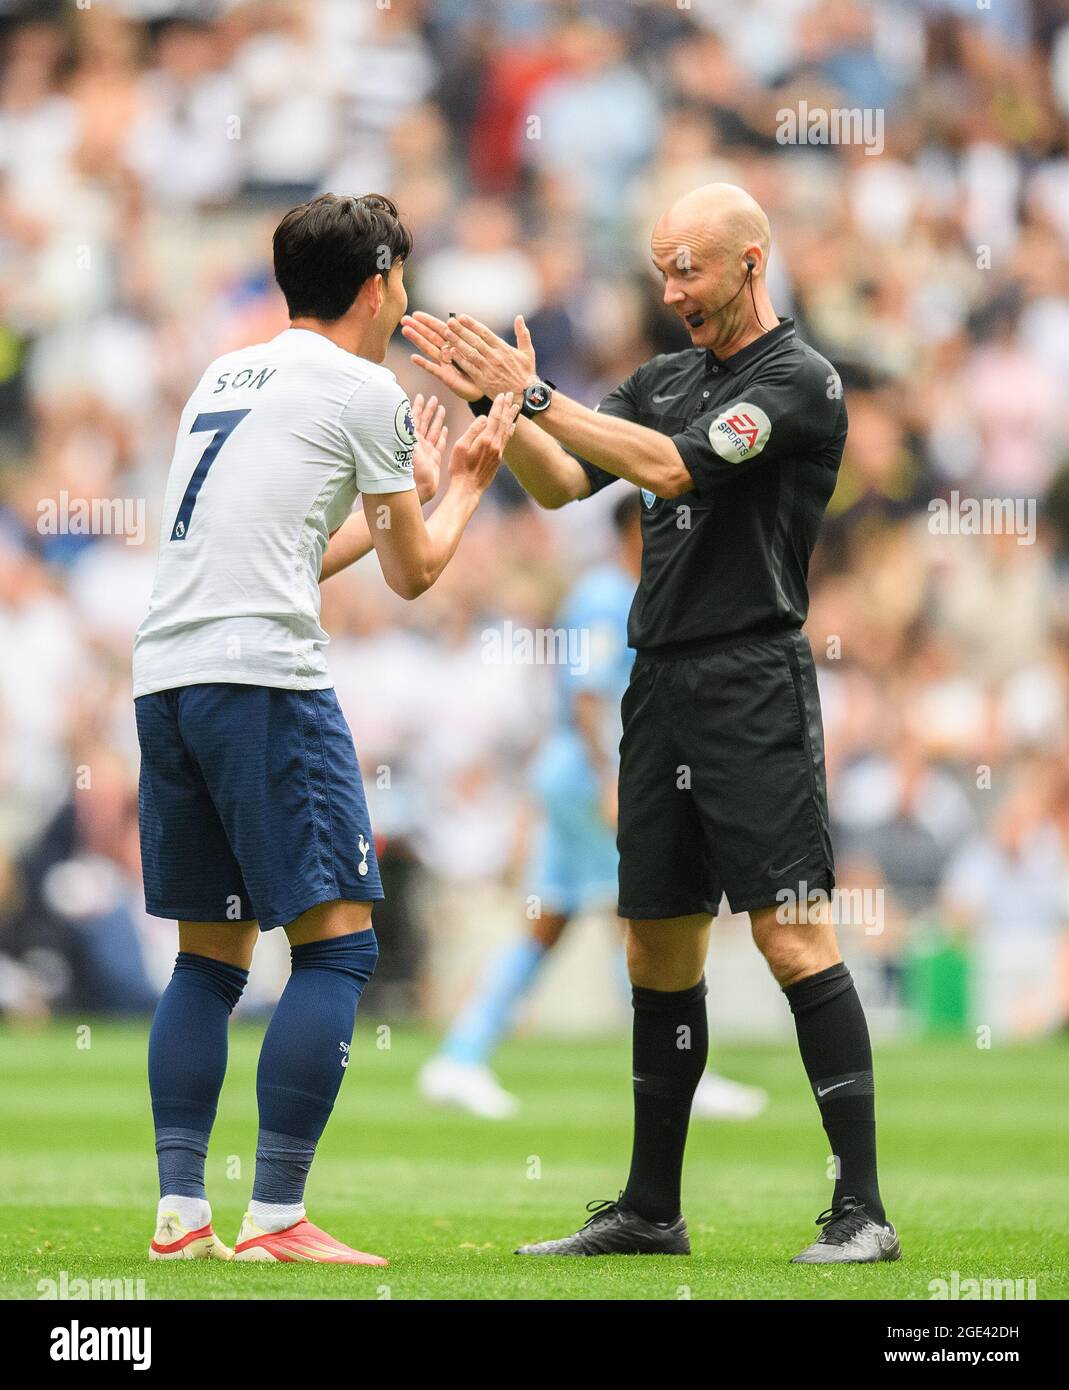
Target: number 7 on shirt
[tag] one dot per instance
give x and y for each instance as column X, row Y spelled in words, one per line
column 223, row 423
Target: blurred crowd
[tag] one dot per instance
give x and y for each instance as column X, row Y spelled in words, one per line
column 147, row 148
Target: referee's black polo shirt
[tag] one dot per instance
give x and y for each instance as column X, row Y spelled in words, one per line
column 761, row 433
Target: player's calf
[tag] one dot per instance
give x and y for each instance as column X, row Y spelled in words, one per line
column 187, row 1063
column 303, row 1059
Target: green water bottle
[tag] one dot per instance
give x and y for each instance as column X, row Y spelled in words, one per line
column 937, row 981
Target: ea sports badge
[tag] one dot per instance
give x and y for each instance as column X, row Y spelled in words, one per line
column 740, row 432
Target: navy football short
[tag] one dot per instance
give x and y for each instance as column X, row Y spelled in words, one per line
column 251, row 805
column 722, row 783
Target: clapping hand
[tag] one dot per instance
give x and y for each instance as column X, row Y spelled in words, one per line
column 479, row 450
column 468, row 358
column 432, row 435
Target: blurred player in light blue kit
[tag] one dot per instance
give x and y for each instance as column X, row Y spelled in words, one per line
column 573, row 866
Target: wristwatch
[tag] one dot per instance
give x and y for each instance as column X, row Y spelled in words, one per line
column 537, row 397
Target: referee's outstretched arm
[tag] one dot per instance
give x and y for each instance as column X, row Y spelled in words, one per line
column 543, row 468
column 640, row 455
column 784, row 410
column 619, row 446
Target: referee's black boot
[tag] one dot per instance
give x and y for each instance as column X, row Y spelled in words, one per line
column 613, row 1229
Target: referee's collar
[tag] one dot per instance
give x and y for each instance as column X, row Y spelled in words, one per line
column 735, row 363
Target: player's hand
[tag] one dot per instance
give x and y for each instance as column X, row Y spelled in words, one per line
column 488, row 360
column 432, row 435
column 427, row 333
column 477, row 453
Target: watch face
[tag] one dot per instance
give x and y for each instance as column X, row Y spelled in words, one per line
column 537, row 396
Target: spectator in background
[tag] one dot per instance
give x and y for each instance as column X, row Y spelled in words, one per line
column 597, row 124
column 144, row 157
column 183, row 145
column 1007, row 889
column 485, row 267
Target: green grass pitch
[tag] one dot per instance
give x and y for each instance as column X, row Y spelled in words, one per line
column 973, row 1167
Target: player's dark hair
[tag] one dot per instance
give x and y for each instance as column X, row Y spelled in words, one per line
column 326, row 249
column 627, row 511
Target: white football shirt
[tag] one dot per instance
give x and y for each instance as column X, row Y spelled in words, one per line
column 273, row 447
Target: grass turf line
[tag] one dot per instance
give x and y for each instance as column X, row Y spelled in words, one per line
column 972, row 1147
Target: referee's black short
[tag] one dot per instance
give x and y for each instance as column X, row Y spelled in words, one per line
column 722, row 783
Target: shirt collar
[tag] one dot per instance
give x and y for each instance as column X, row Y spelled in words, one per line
column 743, row 358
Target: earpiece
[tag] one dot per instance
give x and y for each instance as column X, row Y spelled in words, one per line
column 750, row 262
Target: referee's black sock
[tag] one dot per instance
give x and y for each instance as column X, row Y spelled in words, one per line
column 669, row 1050
column 833, row 1038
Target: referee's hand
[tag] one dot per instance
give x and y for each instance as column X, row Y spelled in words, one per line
column 477, row 453
column 427, row 333
column 488, row 360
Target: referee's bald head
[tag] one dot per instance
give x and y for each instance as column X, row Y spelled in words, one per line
column 708, row 246
column 721, row 216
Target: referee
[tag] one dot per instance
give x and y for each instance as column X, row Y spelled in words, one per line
column 735, row 444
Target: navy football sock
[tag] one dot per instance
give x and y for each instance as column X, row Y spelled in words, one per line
column 303, row 1059
column 186, row 1065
